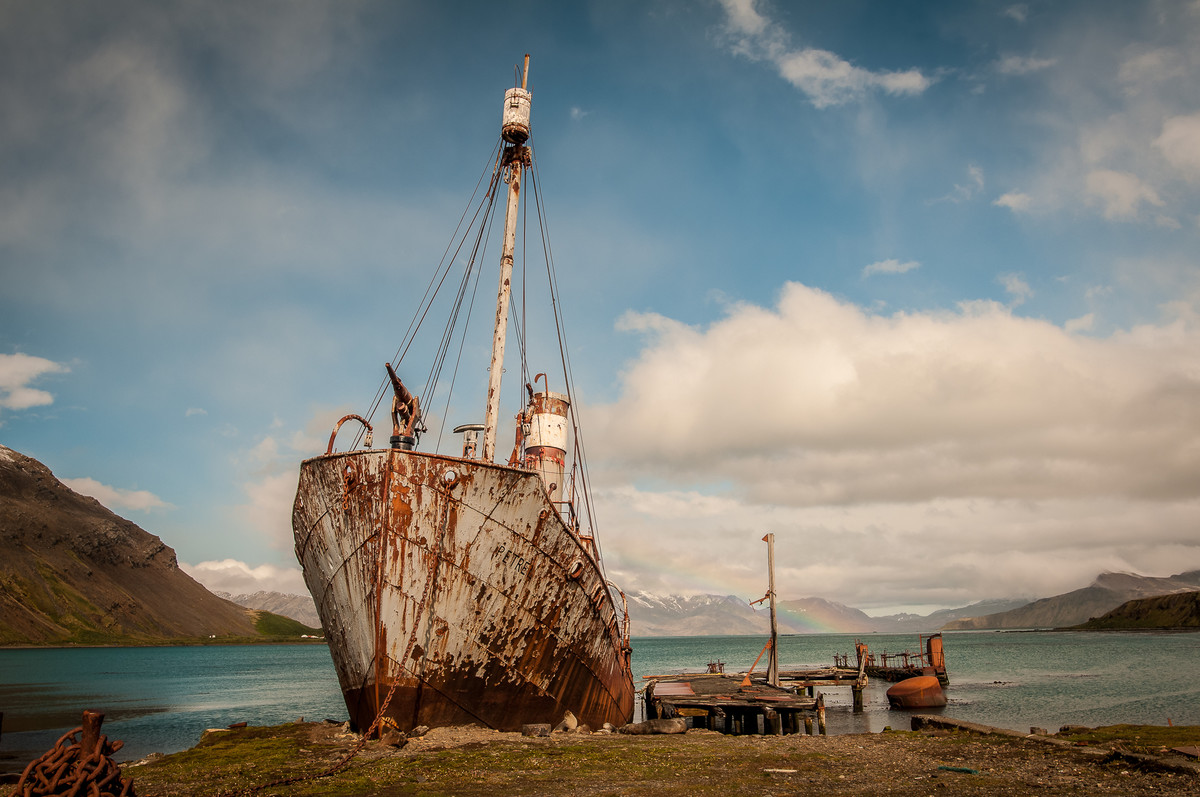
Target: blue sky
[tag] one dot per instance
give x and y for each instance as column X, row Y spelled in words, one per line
column 914, row 286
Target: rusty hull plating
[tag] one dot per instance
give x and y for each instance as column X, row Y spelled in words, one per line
column 455, row 584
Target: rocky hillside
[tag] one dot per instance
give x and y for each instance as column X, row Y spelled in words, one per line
column 1106, row 593
column 71, row 571
column 1180, row 610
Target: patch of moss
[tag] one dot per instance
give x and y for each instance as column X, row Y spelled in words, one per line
column 1137, row 738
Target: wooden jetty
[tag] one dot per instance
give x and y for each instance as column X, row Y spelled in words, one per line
column 779, row 703
column 930, row 659
column 727, row 704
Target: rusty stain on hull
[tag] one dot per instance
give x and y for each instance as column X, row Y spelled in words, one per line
column 454, row 585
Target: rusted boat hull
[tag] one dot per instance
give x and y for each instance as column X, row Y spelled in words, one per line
column 451, row 591
column 923, row 691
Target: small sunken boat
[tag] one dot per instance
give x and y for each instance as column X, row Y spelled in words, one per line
column 922, row 691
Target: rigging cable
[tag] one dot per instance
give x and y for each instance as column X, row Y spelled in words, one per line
column 435, row 283
column 568, row 374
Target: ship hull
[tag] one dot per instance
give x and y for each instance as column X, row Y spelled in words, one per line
column 451, row 592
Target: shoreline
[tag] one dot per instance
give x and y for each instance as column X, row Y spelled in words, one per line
column 188, row 642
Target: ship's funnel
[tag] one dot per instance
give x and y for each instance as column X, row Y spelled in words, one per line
column 546, row 443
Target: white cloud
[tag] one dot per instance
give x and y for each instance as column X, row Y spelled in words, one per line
column 271, row 476
column 1180, row 143
column 839, row 405
column 1023, row 64
column 1145, row 69
column 270, row 509
column 17, row 372
column 965, row 191
column 116, row 498
column 194, row 411
column 827, row 78
column 1017, row 288
column 1120, row 194
column 1082, row 324
column 891, row 266
column 1018, row 12
column 1014, row 201
column 1028, row 456
column 239, row 578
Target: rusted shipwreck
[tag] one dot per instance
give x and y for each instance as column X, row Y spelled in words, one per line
column 454, row 589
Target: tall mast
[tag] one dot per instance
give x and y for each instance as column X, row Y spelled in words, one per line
column 515, row 156
column 773, row 659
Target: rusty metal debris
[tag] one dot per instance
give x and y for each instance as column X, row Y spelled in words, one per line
column 74, row 766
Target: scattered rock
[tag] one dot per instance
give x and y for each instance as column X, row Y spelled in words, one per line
column 1039, row 731
column 536, row 729
column 143, row 761
column 394, row 739
column 583, row 728
column 420, row 730
column 1073, row 729
column 672, row 725
column 609, row 727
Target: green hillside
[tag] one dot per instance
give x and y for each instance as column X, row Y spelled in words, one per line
column 1180, row 610
column 269, row 624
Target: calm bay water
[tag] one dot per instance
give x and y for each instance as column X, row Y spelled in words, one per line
column 162, row 699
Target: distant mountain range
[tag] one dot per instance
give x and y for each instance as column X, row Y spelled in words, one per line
column 71, row 571
column 297, row 607
column 700, row 615
column 1106, row 593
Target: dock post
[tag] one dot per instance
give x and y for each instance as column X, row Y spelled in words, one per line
column 821, row 714
column 857, row 689
column 808, row 725
column 716, row 719
column 773, row 725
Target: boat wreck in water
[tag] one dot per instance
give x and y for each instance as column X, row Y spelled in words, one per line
column 453, row 589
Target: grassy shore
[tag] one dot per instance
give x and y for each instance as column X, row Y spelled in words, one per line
column 1126, row 760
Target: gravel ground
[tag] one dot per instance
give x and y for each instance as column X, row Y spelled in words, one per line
column 476, row 761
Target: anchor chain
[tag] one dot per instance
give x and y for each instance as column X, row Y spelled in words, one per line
column 77, row 766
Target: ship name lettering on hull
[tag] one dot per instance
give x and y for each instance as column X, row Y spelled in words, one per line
column 512, row 561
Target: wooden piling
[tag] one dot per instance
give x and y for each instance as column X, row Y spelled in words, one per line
column 808, row 725
column 821, row 714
